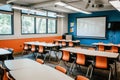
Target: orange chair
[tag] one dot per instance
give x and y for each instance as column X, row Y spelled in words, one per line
column 91, row 48
column 40, row 61
column 56, row 42
column 65, row 56
column 82, row 61
column 9, row 77
column 61, row 69
column 113, row 49
column 70, row 44
column 33, row 49
column 101, row 63
column 79, row 77
column 101, row 47
column 25, row 49
column 41, row 51
column 63, row 44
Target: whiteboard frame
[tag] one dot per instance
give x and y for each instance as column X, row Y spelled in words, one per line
column 93, row 37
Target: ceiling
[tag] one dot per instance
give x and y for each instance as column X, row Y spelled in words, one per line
column 87, row 5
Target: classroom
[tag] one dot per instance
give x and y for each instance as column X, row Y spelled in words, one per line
column 59, row 39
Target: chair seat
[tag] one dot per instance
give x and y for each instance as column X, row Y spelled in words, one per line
column 79, row 77
column 60, row 68
column 40, row 61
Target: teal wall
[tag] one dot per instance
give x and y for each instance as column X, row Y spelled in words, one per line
column 111, row 36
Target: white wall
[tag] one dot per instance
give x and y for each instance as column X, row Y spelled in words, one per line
column 62, row 27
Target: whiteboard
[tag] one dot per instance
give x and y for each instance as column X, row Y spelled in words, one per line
column 91, row 27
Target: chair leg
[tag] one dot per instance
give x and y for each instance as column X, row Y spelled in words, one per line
column 88, row 71
column 71, row 68
column 45, row 57
column 91, row 73
column 109, row 78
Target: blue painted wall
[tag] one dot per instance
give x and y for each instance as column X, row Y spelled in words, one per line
column 111, row 36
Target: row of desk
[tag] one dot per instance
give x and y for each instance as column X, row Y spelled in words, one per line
column 94, row 53
column 26, row 69
column 104, row 44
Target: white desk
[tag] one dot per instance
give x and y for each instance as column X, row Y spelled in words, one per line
column 36, row 43
column 34, row 71
column 74, row 41
column 19, row 64
column 94, row 53
column 91, row 52
column 4, row 52
column 104, row 44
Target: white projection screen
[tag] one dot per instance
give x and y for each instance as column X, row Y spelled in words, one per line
column 91, row 27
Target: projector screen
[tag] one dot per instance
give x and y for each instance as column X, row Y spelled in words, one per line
column 91, row 27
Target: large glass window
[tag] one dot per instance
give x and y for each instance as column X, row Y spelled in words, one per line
column 40, row 25
column 28, row 24
column 6, row 7
column 38, row 22
column 5, row 24
column 52, row 14
column 51, row 26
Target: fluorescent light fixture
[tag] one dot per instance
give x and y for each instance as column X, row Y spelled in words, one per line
column 115, row 3
column 71, row 7
column 60, row 15
column 25, row 8
column 20, row 8
column 9, row 1
column 60, row 4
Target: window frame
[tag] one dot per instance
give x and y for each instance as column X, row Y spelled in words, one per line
column 39, row 16
column 12, row 20
column 55, row 27
column 34, row 25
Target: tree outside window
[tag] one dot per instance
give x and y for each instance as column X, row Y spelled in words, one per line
column 27, row 24
column 5, row 24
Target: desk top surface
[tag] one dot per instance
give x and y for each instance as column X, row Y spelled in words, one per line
column 25, row 69
column 19, row 64
column 41, row 43
column 75, row 41
column 105, row 44
column 91, row 52
column 4, row 51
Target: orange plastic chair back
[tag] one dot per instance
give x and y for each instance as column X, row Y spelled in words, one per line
column 65, row 56
column 63, row 43
column 100, row 47
column 41, row 49
column 115, row 49
column 61, row 69
column 33, row 48
column 5, row 75
column 80, row 59
column 70, row 44
column 40, row 61
column 56, row 42
column 91, row 48
column 101, row 62
column 81, row 78
column 25, row 47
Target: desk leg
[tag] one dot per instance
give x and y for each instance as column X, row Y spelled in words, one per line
column 50, row 54
column 115, row 70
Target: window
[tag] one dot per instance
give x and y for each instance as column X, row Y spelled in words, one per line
column 52, row 14
column 27, row 24
column 6, row 7
column 51, row 26
column 38, row 22
column 5, row 23
column 40, row 25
